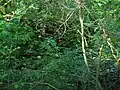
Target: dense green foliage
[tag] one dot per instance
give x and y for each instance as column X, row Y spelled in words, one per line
column 42, row 45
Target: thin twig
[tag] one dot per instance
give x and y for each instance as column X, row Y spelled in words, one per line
column 105, row 36
column 6, row 3
column 98, row 68
column 70, row 15
column 37, row 83
column 83, row 41
column 109, row 44
column 86, row 44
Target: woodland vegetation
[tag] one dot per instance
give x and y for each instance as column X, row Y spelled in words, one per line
column 59, row 44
